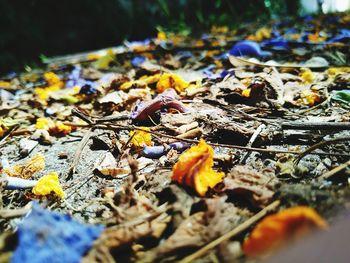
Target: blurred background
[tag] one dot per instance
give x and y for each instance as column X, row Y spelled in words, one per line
column 33, row 29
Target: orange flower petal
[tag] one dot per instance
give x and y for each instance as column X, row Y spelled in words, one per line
column 194, row 168
column 276, row 230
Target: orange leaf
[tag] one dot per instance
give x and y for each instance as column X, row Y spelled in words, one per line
column 194, row 168
column 276, row 230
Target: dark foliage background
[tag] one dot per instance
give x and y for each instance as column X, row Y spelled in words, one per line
column 31, row 28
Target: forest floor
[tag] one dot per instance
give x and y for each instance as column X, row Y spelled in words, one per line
column 224, row 148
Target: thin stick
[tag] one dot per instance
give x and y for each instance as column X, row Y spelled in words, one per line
column 316, row 126
column 251, row 141
column 212, row 144
column 13, row 129
column 319, row 145
column 334, row 171
column 11, row 213
column 230, row 146
column 240, row 228
column 78, row 152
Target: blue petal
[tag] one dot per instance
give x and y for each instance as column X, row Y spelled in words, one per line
column 248, row 48
column 46, row 236
column 137, row 60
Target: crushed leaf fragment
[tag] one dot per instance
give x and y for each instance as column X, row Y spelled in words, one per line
column 26, row 171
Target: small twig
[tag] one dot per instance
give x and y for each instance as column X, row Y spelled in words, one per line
column 251, row 141
column 240, row 112
column 316, row 126
column 78, row 152
column 230, row 146
column 319, row 145
column 81, row 115
column 239, row 229
column 334, row 171
column 13, row 129
column 10, row 213
column 112, row 118
column 12, row 183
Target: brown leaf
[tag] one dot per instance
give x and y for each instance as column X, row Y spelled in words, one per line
column 116, row 237
column 203, row 227
column 252, row 185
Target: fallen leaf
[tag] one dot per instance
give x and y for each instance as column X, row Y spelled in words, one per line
column 257, row 188
column 202, row 227
column 277, row 230
column 26, row 171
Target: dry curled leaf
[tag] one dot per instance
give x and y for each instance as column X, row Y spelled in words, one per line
column 26, row 171
column 276, row 230
column 252, row 185
column 202, row 227
column 194, row 168
column 116, row 237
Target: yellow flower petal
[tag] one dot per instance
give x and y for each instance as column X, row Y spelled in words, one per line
column 60, row 129
column 141, row 138
column 52, row 78
column 161, row 36
column 307, row 76
column 168, row 80
column 42, row 123
column 246, row 93
column 48, row 184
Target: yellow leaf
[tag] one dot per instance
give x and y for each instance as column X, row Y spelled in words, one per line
column 316, row 37
column 52, row 79
column 36, row 164
column 307, row 76
column 141, row 138
column 48, row 184
column 142, row 82
column 194, row 168
column 309, row 97
column 60, row 129
column 246, row 93
column 161, row 36
column 92, row 56
column 335, row 71
column 104, row 61
column 219, row 29
column 43, row 123
column 168, row 80
column 5, row 84
column 276, row 230
column 261, row 34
